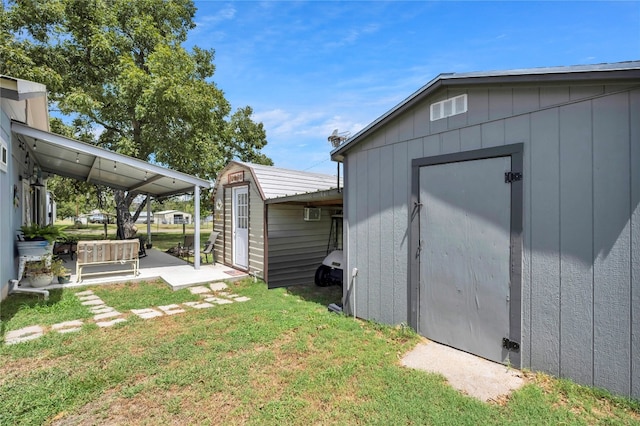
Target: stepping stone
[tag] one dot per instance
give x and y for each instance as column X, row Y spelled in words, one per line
column 93, row 302
column 147, row 313
column 110, row 323
column 232, row 296
column 242, row 299
column 68, row 326
column 198, row 305
column 84, row 293
column 218, row 300
column 106, row 315
column 101, row 309
column 89, row 297
column 217, row 286
column 23, row 334
column 171, row 309
column 199, row 289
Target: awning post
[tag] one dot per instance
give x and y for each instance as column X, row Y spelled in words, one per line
column 196, row 228
column 148, row 219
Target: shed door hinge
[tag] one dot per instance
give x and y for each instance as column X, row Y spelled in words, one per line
column 512, row 177
column 510, row 345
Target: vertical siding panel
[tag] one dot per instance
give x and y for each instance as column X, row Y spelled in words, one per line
column 380, row 137
column 430, row 147
column 492, row 133
column 470, row 138
column 451, row 142
column 527, row 282
column 361, row 252
column 611, row 243
column 525, row 100
column 400, row 235
column 553, row 95
column 391, row 133
column 421, row 120
column 7, row 217
column 576, row 249
column 635, row 244
column 386, row 234
column 414, row 150
column 478, row 106
column 516, row 129
column 583, row 92
column 256, row 231
column 500, row 103
column 351, row 226
column 545, row 231
column 373, row 231
column 405, row 127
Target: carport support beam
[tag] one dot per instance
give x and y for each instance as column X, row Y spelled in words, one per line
column 148, row 219
column 196, row 231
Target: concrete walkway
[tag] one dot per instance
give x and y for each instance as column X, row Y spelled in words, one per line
column 174, row 271
column 106, row 316
column 470, row 374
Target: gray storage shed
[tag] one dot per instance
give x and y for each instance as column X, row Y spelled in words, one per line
column 498, row 213
column 274, row 223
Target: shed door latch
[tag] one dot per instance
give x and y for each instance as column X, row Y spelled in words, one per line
column 510, row 345
column 512, row 177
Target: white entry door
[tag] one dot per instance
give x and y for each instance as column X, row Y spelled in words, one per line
column 240, row 226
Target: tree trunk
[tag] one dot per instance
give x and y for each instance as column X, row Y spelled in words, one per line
column 126, row 226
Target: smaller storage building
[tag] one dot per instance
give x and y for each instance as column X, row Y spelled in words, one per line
column 169, row 217
column 274, row 223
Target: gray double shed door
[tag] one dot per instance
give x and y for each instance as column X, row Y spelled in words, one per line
column 468, row 210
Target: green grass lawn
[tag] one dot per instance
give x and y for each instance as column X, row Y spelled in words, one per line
column 279, row 358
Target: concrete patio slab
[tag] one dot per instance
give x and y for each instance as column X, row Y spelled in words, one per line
column 472, row 375
column 175, row 272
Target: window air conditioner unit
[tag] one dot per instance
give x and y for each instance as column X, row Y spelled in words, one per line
column 311, row 214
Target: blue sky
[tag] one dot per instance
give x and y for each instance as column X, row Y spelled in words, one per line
column 307, row 68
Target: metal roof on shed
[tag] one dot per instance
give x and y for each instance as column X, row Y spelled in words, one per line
column 274, row 182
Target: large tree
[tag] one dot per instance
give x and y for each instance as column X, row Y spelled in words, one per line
column 120, row 66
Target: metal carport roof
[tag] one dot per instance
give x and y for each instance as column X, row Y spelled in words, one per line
column 63, row 156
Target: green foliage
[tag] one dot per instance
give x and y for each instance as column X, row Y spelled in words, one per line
column 47, row 232
column 119, row 68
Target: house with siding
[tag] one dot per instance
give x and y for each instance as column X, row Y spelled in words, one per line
column 499, row 213
column 274, row 223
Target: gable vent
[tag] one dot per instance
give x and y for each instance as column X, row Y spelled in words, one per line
column 449, row 107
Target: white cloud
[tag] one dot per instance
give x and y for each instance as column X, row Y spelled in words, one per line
column 227, row 13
